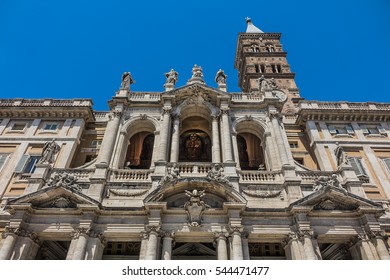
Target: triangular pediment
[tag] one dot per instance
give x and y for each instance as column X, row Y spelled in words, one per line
column 193, row 249
column 54, row 197
column 334, row 198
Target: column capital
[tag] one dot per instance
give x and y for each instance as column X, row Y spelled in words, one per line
column 114, row 114
column 168, row 234
column 377, row 234
column 97, row 234
column 29, row 234
column 76, row 233
column 166, row 111
column 225, row 111
column 290, row 237
column 220, row 235
column 235, row 230
column 152, row 229
column 10, row 230
column 308, row 233
column 275, row 115
column 215, row 117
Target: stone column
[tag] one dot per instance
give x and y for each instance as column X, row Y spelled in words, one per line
column 26, row 247
column 360, row 244
column 293, row 247
column 221, row 242
column 216, row 148
column 378, row 238
column 109, row 138
column 10, row 235
column 237, row 253
column 227, row 149
column 306, row 237
column 175, row 140
column 275, row 119
column 167, row 245
column 164, row 134
column 95, row 246
column 151, row 248
column 144, row 243
column 80, row 237
column 245, row 246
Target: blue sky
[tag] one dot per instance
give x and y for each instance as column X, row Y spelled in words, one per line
column 339, row 50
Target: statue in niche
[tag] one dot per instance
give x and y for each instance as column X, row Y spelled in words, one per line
column 127, row 80
column 193, row 147
column 220, row 77
column 195, row 207
column 50, row 149
column 172, row 77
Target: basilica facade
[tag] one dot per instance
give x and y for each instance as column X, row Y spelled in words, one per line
column 197, row 172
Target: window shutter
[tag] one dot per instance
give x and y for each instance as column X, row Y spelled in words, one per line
column 332, row 129
column 22, row 162
column 381, row 129
column 365, row 130
column 349, row 129
column 3, row 158
column 387, row 163
column 357, row 165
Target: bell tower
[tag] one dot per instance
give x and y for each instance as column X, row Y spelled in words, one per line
column 261, row 54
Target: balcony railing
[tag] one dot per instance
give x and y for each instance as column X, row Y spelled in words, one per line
column 249, row 176
column 124, row 175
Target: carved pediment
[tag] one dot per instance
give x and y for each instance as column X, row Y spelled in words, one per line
column 54, row 197
column 197, row 93
column 333, row 198
column 174, row 192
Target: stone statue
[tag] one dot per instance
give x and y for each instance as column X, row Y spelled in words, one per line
column 324, row 183
column 220, row 77
column 195, row 207
column 341, row 155
column 64, row 180
column 172, row 77
column 215, row 174
column 266, row 84
column 127, row 80
column 50, row 149
column 197, row 72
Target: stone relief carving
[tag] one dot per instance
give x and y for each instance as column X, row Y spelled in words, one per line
column 50, row 149
column 172, row 177
column 215, row 174
column 264, row 193
column 172, row 77
column 324, row 183
column 62, row 202
column 329, row 204
column 127, row 80
column 128, row 193
column 64, row 180
column 195, row 207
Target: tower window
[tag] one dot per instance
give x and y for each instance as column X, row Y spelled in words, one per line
column 270, row 48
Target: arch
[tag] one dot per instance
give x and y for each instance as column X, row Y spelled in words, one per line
column 138, row 123
column 204, row 108
column 143, row 125
column 252, row 125
column 174, row 193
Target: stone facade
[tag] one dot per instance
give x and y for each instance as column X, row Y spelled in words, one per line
column 196, row 172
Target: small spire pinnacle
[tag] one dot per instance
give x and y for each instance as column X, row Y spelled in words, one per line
column 251, row 28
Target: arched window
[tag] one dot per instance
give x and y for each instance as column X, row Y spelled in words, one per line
column 250, row 152
column 195, row 146
column 140, row 150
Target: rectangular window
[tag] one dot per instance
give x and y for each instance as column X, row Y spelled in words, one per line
column 341, row 129
column 27, row 164
column 50, row 126
column 18, row 127
column 373, row 130
column 357, row 165
column 96, row 144
column 293, row 145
